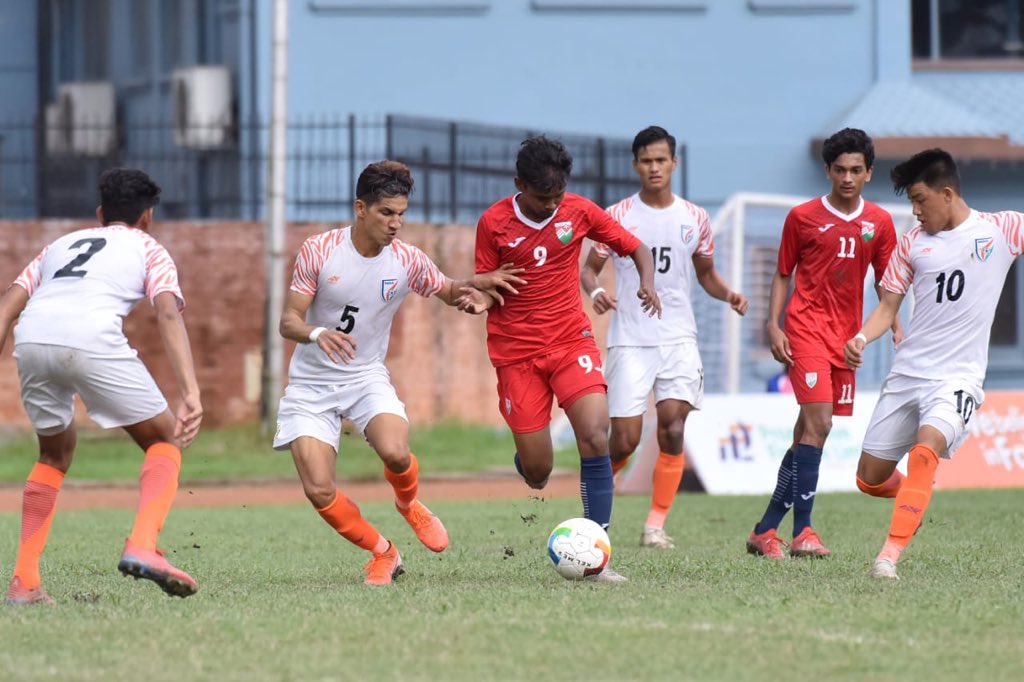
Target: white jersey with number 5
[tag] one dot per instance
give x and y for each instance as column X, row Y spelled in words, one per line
column 956, row 276
column 355, row 295
column 674, row 234
column 83, row 284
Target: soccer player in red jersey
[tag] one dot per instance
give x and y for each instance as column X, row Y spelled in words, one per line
column 540, row 340
column 829, row 242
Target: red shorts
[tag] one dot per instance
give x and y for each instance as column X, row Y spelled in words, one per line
column 816, row 380
column 525, row 389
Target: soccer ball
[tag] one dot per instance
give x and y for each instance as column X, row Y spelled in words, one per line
column 578, row 548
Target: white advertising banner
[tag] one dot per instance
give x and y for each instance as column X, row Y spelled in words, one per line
column 736, row 442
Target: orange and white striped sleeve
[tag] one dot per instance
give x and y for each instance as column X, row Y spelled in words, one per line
column 706, row 240
column 311, row 259
column 899, row 274
column 1012, row 225
column 32, row 276
column 425, row 278
column 161, row 273
column 617, row 211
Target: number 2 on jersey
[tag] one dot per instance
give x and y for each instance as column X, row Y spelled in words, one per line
column 95, row 245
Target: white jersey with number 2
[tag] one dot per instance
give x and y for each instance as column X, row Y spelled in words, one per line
column 674, row 234
column 83, row 284
column 355, row 295
column 956, row 277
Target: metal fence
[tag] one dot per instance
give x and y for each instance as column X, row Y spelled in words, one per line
column 220, row 173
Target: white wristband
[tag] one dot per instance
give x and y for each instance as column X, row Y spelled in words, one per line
column 860, row 335
column 595, row 292
column 315, row 334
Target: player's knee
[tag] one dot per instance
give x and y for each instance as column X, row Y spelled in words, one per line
column 320, row 494
column 623, row 445
column 670, row 438
column 395, row 456
column 593, row 441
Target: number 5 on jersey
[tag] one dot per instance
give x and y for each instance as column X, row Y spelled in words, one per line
column 348, row 319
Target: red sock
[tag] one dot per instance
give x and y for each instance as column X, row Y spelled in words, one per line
column 619, row 465
column 344, row 516
column 38, row 503
column 887, row 488
column 405, row 484
column 668, row 471
column 158, row 484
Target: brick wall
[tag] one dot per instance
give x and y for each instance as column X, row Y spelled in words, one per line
column 437, row 357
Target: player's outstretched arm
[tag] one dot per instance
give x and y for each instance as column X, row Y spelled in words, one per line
column 505, row 279
column 12, row 303
column 880, row 319
column 603, row 301
column 778, row 342
column 648, row 295
column 175, row 337
column 338, row 345
column 711, row 281
column 468, row 299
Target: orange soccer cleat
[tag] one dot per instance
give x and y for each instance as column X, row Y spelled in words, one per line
column 426, row 525
column 808, row 544
column 150, row 564
column 766, row 544
column 383, row 568
column 19, row 595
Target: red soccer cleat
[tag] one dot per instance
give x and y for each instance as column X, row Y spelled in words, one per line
column 426, row 525
column 808, row 544
column 150, row 564
column 382, row 569
column 766, row 544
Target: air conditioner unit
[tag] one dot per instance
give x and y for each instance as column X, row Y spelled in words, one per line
column 202, row 104
column 83, row 120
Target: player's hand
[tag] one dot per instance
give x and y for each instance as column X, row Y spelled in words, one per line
column 337, row 345
column 649, row 301
column 897, row 334
column 738, row 302
column 779, row 344
column 504, row 277
column 604, row 302
column 854, row 352
column 187, row 419
column 473, row 301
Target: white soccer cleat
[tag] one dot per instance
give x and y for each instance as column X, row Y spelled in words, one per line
column 656, row 538
column 607, row 576
column 884, row 569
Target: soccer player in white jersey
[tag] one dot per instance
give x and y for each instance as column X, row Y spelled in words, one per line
column 646, row 353
column 347, row 287
column 953, row 263
column 69, row 304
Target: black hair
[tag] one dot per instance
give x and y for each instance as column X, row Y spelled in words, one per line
column 934, row 167
column 543, row 164
column 649, row 136
column 848, row 141
column 383, row 179
column 125, row 194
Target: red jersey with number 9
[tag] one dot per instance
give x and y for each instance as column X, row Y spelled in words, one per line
column 547, row 311
column 831, row 252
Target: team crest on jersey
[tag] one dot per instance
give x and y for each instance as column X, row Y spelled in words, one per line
column 564, row 231
column 867, row 230
column 983, row 248
column 811, row 378
column 687, row 232
column 388, row 289
column 508, row 406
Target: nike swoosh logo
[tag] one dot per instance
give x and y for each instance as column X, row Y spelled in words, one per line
column 517, row 242
column 825, row 228
column 807, row 496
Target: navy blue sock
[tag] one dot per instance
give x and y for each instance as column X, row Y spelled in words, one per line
column 519, row 464
column 806, row 461
column 596, row 488
column 782, row 498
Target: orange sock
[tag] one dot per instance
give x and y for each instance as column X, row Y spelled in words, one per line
column 887, row 488
column 668, row 471
column 912, row 499
column 619, row 465
column 38, row 503
column 158, row 484
column 405, row 484
column 344, row 516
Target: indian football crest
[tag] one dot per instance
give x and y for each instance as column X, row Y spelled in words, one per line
column 564, row 231
column 388, row 289
column 983, row 248
column 867, row 230
column 811, row 378
column 687, row 232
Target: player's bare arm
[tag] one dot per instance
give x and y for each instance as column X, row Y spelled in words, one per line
column 189, row 414
column 711, row 281
column 339, row 346
column 603, row 300
column 777, row 339
column 465, row 297
column 648, row 295
column 880, row 319
column 12, row 303
column 897, row 326
column 505, row 277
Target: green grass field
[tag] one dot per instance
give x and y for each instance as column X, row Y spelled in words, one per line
column 281, row 599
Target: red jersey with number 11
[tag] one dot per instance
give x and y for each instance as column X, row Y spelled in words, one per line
column 831, row 252
column 547, row 311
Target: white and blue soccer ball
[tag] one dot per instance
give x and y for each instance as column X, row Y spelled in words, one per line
column 579, row 548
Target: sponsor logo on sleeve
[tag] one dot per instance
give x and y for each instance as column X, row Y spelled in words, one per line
column 388, row 289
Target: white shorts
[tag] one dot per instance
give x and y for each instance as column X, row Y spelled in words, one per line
column 674, row 372
column 116, row 391
column 908, row 403
column 316, row 411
